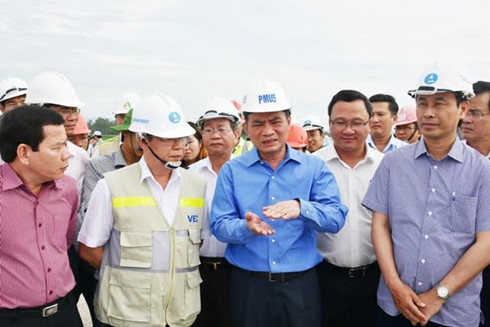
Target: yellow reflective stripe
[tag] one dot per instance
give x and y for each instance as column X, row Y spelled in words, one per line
column 192, row 202
column 136, row 201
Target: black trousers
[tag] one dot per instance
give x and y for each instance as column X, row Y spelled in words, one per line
column 348, row 296
column 85, row 282
column 215, row 293
column 257, row 302
column 385, row 320
column 67, row 316
column 485, row 296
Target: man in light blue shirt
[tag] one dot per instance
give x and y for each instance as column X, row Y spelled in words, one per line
column 268, row 205
column 385, row 110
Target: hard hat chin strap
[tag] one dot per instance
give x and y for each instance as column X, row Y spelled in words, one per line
column 413, row 134
column 168, row 164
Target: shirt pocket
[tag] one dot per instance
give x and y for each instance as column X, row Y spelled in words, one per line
column 136, row 249
column 463, row 214
column 130, row 296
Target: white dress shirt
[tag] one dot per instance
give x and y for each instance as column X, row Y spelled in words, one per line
column 351, row 247
column 211, row 247
column 97, row 225
column 77, row 164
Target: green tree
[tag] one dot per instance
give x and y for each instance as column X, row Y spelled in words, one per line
column 103, row 125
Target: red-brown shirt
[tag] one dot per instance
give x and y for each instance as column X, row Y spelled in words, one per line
column 35, row 234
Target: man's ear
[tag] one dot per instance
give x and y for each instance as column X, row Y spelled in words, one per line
column 23, row 152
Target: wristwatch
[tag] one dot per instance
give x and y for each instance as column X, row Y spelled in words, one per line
column 443, row 292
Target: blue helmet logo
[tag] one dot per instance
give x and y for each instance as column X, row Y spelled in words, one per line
column 174, row 117
column 431, row 78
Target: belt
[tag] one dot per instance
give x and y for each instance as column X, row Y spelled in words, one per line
column 357, row 272
column 214, row 263
column 275, row 277
column 41, row 311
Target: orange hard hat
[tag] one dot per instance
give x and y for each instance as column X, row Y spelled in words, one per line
column 81, row 127
column 297, row 138
column 406, row 115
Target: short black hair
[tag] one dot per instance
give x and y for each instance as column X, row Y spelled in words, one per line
column 386, row 98
column 482, row 87
column 24, row 125
column 287, row 112
column 350, row 96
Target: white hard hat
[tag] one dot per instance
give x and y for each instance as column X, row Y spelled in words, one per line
column 12, row 87
column 219, row 108
column 161, row 116
column 312, row 122
column 98, row 133
column 265, row 96
column 125, row 102
column 53, row 88
column 441, row 77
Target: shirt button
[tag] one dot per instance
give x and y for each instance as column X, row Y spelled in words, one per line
column 423, row 260
column 430, row 213
column 426, row 236
column 40, row 225
column 273, row 241
column 273, row 262
column 50, row 292
column 273, row 198
column 433, row 190
column 420, row 283
column 42, row 247
column 307, row 212
column 261, row 162
column 273, row 177
column 49, row 269
column 435, row 167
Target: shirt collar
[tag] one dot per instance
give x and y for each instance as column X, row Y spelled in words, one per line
column 119, row 160
column 12, row 181
column 252, row 156
column 331, row 153
column 456, row 151
column 146, row 173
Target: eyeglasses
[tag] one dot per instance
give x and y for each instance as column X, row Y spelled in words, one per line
column 475, row 114
column 342, row 124
column 211, row 131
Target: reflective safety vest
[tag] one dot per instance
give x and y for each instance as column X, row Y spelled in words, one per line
column 149, row 273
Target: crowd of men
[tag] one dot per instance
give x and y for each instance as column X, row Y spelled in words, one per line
column 387, row 225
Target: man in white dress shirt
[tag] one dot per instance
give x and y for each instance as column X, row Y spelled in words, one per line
column 218, row 126
column 349, row 274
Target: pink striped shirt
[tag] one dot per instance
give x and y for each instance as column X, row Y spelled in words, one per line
column 35, row 234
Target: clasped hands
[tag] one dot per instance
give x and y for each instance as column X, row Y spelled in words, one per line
column 281, row 210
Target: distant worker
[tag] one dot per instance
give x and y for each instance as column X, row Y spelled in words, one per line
column 218, row 124
column 80, row 134
column 268, row 205
column 297, row 137
column 122, row 105
column 316, row 133
column 12, row 93
column 142, row 228
column 406, row 128
column 385, row 110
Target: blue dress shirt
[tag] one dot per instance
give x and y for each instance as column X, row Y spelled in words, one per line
column 248, row 183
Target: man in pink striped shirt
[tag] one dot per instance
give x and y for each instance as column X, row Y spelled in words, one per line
column 38, row 206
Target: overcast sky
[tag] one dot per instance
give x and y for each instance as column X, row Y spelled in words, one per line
column 193, row 50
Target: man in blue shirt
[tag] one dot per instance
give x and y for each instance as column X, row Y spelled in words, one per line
column 268, row 205
column 431, row 214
